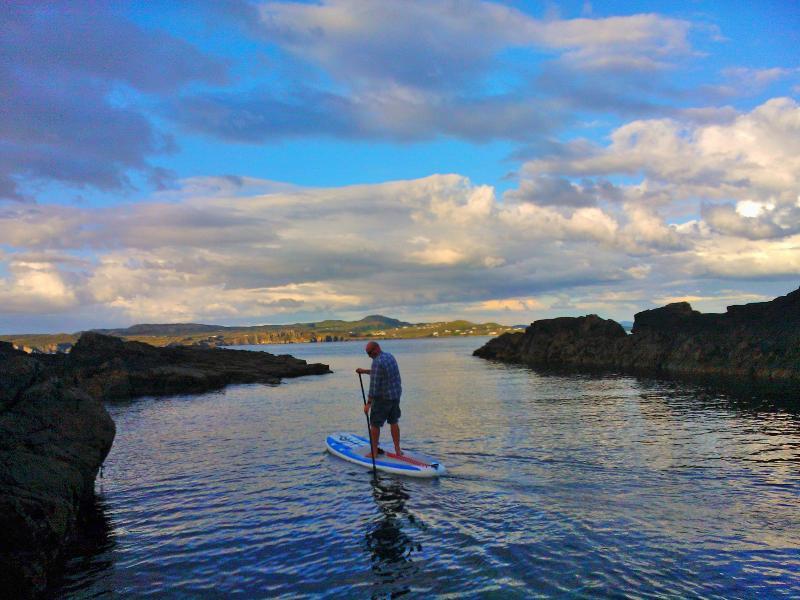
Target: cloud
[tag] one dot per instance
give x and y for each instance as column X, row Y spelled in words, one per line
column 392, row 113
column 751, row 160
column 239, row 250
column 737, row 259
column 414, row 70
column 508, row 305
column 222, row 255
column 413, row 43
column 757, row 77
column 643, row 42
column 93, row 97
column 548, row 190
column 36, row 287
column 361, row 41
column 73, row 76
column 729, row 220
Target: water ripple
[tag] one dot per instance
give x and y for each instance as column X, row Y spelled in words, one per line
column 559, row 486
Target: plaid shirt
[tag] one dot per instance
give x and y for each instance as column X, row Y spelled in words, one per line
column 384, row 379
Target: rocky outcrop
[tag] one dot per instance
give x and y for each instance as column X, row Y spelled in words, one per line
column 55, row 432
column 759, row 341
column 110, row 368
column 53, row 439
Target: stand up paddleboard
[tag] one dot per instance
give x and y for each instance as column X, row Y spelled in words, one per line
column 356, row 450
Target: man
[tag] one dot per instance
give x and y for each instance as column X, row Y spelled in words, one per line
column 384, row 396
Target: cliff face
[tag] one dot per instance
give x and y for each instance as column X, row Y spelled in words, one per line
column 760, row 341
column 53, row 439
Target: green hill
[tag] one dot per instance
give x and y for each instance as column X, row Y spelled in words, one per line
column 331, row 330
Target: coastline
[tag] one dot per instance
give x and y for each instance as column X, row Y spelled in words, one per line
column 210, row 336
column 55, row 432
column 757, row 342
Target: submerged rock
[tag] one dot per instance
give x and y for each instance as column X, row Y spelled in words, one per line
column 759, row 341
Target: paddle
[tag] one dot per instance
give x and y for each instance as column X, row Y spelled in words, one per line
column 369, row 429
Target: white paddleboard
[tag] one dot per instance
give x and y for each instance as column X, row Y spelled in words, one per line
column 356, row 449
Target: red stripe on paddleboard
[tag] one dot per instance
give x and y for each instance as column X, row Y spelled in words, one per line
column 408, row 459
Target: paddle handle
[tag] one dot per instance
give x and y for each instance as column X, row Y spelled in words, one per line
column 369, row 429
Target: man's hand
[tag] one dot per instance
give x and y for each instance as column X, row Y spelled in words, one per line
column 366, row 407
column 363, row 371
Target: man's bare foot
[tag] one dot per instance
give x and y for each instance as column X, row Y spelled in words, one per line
column 398, row 452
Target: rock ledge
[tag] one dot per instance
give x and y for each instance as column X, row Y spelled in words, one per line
column 758, row 342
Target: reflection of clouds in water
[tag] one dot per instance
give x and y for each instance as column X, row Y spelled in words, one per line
column 389, row 542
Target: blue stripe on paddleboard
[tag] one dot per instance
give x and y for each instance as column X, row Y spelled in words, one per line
column 348, row 449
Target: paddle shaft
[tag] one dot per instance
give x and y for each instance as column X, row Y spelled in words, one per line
column 369, row 429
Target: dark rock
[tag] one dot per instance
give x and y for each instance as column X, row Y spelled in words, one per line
column 759, row 341
column 582, row 341
column 18, row 371
column 55, row 432
column 565, row 341
column 504, row 347
column 53, row 439
column 110, row 368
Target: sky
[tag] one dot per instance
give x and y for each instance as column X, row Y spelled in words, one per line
column 243, row 163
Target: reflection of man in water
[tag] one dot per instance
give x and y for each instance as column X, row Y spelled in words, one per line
column 385, row 388
column 389, row 545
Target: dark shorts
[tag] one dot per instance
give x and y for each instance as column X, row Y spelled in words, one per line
column 384, row 411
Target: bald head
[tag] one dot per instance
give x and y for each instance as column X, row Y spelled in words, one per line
column 373, row 349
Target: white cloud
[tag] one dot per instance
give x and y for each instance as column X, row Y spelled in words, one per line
column 735, row 258
column 243, row 250
column 755, row 79
column 437, row 255
column 636, row 42
column 752, row 209
column 508, row 305
column 35, row 287
column 412, row 70
column 224, row 255
column 757, row 152
column 745, row 172
column 361, row 41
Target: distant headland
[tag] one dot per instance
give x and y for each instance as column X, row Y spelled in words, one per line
column 197, row 334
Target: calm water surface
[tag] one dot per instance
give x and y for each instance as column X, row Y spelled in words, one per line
column 559, row 486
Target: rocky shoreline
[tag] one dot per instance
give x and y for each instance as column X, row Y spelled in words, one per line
column 55, row 432
column 758, row 342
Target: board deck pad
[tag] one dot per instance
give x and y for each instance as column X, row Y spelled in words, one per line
column 356, row 449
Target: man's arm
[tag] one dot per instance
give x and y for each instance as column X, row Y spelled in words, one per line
column 368, row 404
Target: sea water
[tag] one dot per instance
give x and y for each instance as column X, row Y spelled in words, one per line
column 566, row 486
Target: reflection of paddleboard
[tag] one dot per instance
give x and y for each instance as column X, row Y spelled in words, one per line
column 355, row 449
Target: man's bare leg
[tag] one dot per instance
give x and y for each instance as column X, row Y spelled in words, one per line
column 395, row 428
column 376, row 435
